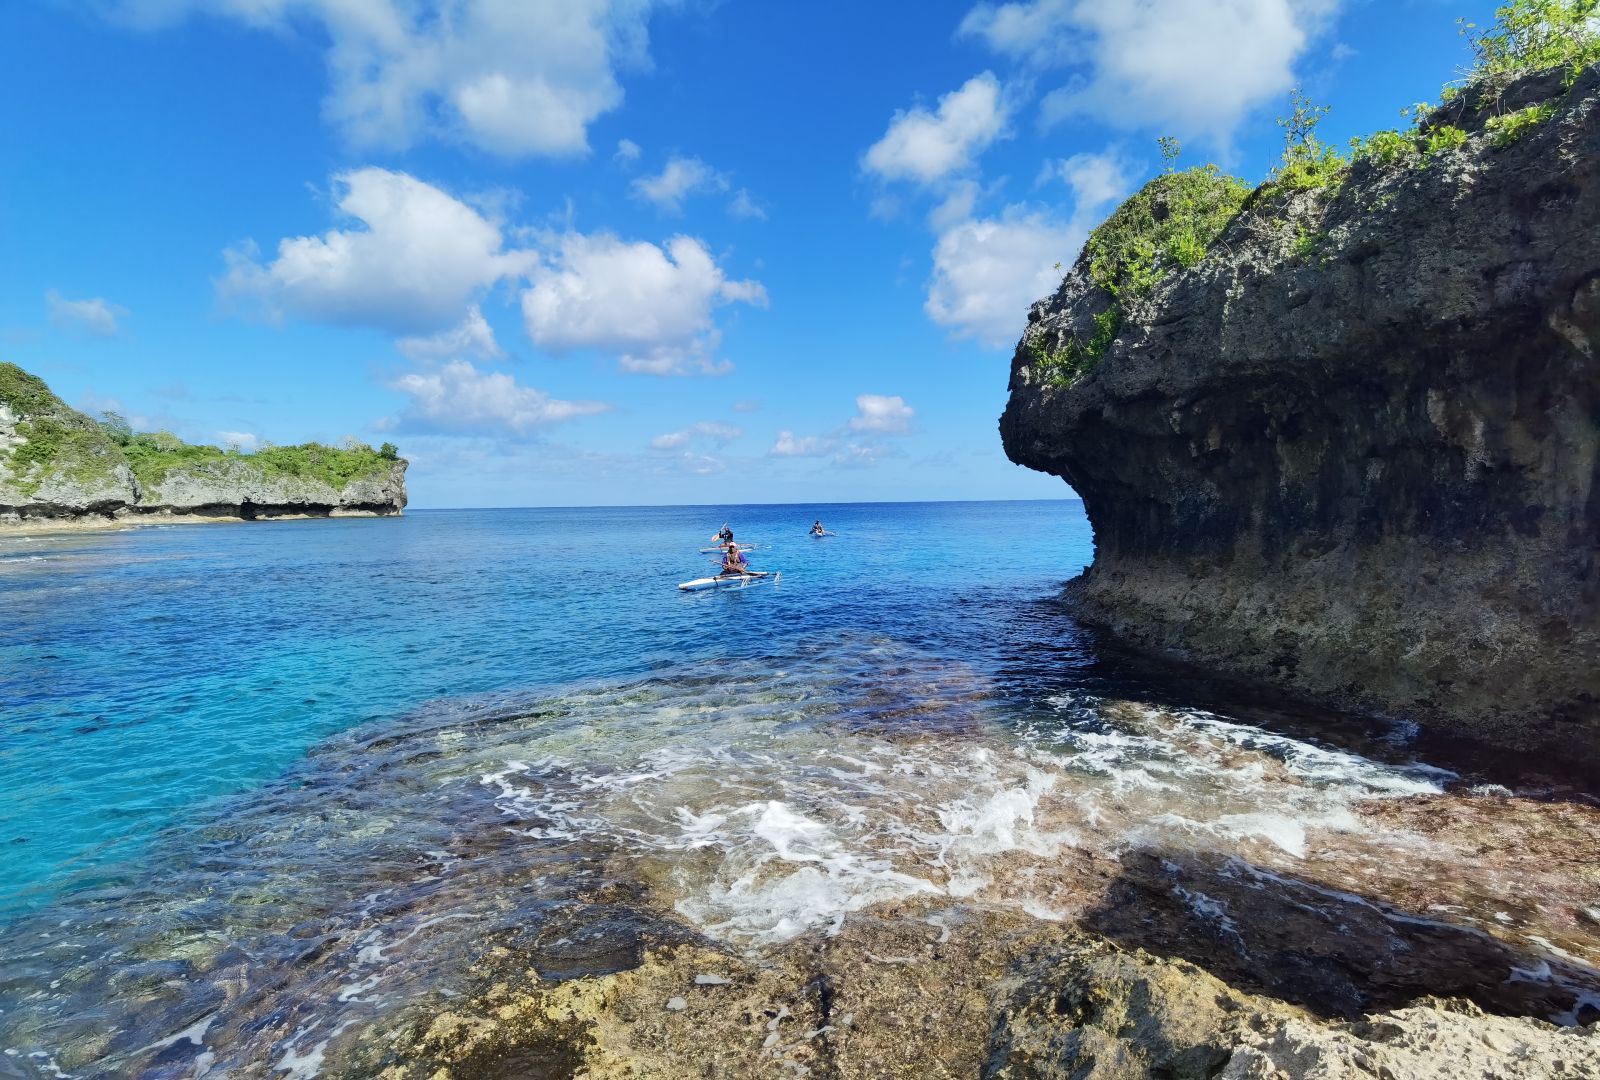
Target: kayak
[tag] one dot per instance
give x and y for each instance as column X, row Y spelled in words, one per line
column 714, row 550
column 820, row 535
column 732, row 581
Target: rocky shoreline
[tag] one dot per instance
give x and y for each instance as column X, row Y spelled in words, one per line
column 60, row 469
column 909, row 991
column 1352, row 451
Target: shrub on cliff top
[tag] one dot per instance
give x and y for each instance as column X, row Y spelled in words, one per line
column 57, row 439
column 154, row 455
column 24, row 394
column 1171, row 222
column 1533, row 35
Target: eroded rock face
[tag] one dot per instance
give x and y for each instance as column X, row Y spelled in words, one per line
column 237, row 488
column 1356, row 450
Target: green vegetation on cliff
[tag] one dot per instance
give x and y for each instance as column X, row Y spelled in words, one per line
column 54, row 439
column 1173, row 221
column 155, row 455
column 1170, row 223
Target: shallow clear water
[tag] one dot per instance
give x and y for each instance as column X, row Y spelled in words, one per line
column 269, row 783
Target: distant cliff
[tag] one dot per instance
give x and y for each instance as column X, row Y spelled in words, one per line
column 58, row 464
column 1350, row 443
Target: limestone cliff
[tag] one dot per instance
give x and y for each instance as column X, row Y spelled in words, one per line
column 58, row 464
column 1355, row 448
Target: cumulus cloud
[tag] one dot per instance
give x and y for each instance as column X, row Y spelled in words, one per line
column 654, row 305
column 244, row 440
column 987, row 271
column 926, row 147
column 627, row 152
column 680, row 178
column 712, row 431
column 94, row 315
column 473, row 337
column 1188, row 67
column 882, row 415
column 512, row 77
column 458, row 398
column 791, row 445
column 419, row 258
column 1096, row 180
column 1035, row 31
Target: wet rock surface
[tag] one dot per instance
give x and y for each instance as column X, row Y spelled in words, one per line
column 1354, row 451
column 920, row 992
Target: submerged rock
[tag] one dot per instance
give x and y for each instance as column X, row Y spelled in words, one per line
column 1355, row 449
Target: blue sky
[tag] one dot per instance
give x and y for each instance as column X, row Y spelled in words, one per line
column 618, row 251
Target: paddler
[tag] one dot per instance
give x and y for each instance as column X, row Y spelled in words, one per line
column 817, row 529
column 724, row 535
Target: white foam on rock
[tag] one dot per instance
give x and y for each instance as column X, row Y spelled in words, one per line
column 777, row 828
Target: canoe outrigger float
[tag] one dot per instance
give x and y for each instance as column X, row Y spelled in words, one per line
column 720, row 548
column 731, row 581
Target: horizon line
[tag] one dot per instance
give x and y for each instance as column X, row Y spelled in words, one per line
column 698, row 506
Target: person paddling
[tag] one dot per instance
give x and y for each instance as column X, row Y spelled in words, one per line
column 724, row 535
column 817, row 529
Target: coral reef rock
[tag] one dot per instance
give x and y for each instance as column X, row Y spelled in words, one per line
column 1355, row 450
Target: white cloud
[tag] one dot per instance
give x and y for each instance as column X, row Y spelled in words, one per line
column 927, row 146
column 627, row 152
column 860, row 455
column 957, row 206
column 460, row 399
column 244, row 440
column 713, row 431
column 987, row 271
column 474, row 337
column 1185, row 67
column 791, row 445
column 653, row 305
column 95, row 315
column 748, row 405
column 510, row 76
column 882, row 415
column 744, row 207
column 680, row 178
column 416, row 265
column 1035, row 31
column 1096, row 180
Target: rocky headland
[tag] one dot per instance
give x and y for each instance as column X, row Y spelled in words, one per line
column 1341, row 432
column 61, row 468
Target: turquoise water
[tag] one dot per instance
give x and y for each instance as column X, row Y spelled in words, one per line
column 271, row 787
column 145, row 672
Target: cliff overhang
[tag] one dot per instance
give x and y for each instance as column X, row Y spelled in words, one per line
column 1355, row 449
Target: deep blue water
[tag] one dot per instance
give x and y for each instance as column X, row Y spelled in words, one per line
column 145, row 673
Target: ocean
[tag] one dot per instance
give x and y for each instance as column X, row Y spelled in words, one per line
column 268, row 784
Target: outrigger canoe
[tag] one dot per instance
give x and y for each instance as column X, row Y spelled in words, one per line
column 730, row 581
